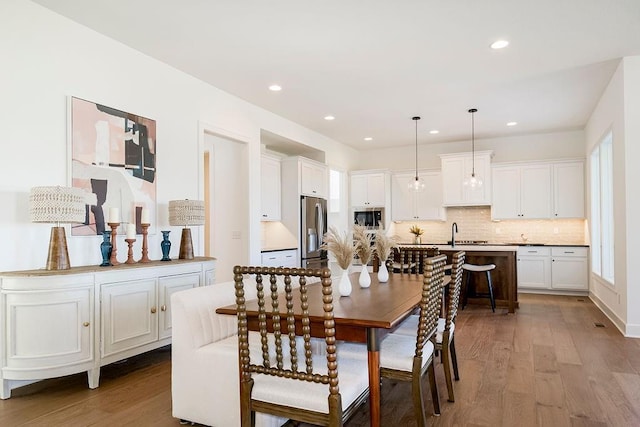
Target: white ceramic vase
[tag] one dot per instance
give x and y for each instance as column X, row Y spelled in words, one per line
column 383, row 273
column 344, row 286
column 364, row 280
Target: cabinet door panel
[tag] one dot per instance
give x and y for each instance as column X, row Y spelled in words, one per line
column 129, row 315
column 535, row 192
column 534, row 272
column 270, row 189
column 359, row 190
column 452, row 172
column 568, row 190
column 376, row 190
column 166, row 287
column 506, row 193
column 429, row 202
column 402, row 200
column 569, row 273
column 49, row 328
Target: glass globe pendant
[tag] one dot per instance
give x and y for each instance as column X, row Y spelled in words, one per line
column 473, row 181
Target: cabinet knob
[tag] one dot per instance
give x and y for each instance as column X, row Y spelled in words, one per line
column 264, row 215
column 85, row 324
column 153, row 310
column 163, row 307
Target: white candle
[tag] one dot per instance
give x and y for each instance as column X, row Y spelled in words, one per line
column 114, row 215
column 145, row 216
column 131, row 231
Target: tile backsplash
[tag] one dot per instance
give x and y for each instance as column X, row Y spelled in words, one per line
column 474, row 223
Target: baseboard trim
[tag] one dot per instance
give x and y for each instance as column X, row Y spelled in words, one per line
column 617, row 322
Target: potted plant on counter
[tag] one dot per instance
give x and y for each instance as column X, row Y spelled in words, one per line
column 417, row 232
column 343, row 249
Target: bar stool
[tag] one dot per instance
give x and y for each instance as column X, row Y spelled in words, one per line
column 473, row 268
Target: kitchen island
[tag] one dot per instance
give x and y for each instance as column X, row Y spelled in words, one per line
column 504, row 277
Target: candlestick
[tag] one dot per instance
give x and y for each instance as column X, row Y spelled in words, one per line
column 131, row 231
column 130, row 253
column 145, row 216
column 114, row 216
column 145, row 249
column 114, row 231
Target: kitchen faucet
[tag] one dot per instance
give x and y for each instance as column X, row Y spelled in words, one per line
column 454, row 230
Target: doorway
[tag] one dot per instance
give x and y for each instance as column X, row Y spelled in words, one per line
column 226, row 197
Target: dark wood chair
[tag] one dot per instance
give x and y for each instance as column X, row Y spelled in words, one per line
column 443, row 339
column 408, row 358
column 410, row 259
column 274, row 380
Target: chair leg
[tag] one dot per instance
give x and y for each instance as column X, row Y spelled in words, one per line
column 418, row 406
column 446, row 364
column 454, row 359
column 434, row 389
column 493, row 301
column 465, row 289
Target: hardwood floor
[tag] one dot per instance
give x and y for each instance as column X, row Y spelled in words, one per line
column 547, row 365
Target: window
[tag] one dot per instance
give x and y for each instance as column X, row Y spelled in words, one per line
column 602, row 209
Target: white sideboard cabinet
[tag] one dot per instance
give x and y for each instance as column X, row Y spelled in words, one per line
column 553, row 269
column 55, row 323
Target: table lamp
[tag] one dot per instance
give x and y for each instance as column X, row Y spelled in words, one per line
column 186, row 212
column 58, row 205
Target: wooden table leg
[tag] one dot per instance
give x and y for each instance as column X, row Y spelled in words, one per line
column 373, row 353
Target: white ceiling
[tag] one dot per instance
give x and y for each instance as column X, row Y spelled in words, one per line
column 373, row 64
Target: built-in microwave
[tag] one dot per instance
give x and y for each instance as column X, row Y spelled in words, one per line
column 370, row 218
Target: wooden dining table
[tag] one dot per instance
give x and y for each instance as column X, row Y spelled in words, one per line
column 365, row 316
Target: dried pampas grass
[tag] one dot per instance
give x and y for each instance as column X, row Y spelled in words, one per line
column 341, row 246
column 364, row 240
column 384, row 244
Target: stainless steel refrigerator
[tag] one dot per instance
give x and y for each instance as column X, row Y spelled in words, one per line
column 313, row 213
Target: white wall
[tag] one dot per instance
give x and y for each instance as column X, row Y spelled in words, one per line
column 632, row 176
column 618, row 110
column 545, row 146
column 47, row 58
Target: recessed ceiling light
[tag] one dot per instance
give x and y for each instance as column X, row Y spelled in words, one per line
column 499, row 44
column 434, row 131
column 329, row 117
column 368, row 138
column 512, row 123
column 275, row 88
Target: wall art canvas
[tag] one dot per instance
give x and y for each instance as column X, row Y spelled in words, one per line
column 113, row 155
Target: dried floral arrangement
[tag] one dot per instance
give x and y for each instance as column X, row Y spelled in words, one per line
column 363, row 242
column 340, row 245
column 415, row 230
column 384, row 244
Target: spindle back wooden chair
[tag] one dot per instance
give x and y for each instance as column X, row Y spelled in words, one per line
column 283, row 380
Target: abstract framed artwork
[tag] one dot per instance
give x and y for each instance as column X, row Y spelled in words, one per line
column 113, row 155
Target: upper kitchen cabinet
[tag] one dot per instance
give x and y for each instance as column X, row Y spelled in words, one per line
column 369, row 189
column 313, row 178
column 521, row 191
column 270, row 188
column 456, row 168
column 407, row 205
column 302, row 176
column 568, row 189
column 538, row 190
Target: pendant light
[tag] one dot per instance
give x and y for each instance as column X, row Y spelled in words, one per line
column 473, row 181
column 416, row 184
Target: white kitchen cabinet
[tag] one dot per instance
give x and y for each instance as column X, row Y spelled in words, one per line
column 270, row 188
column 521, row 191
column 369, row 189
column 553, row 269
column 456, row 168
column 569, row 268
column 283, row 258
column 534, row 267
column 313, row 178
column 568, row 189
column 407, row 205
column 57, row 323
